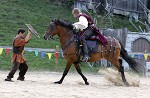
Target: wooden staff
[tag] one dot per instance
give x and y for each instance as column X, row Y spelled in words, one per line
column 33, row 31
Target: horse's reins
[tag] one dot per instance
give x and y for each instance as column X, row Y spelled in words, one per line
column 67, row 43
column 51, row 37
column 70, row 41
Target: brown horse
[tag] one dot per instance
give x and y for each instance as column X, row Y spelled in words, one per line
column 112, row 52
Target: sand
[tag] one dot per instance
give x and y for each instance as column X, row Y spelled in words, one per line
column 40, row 85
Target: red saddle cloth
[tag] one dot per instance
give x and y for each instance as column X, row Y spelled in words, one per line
column 94, row 38
column 99, row 36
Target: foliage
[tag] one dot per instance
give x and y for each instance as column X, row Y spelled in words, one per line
column 67, row 3
column 36, row 63
column 16, row 13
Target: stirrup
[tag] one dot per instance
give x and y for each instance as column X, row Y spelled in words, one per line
column 85, row 59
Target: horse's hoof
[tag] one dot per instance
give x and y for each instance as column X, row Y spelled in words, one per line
column 126, row 83
column 87, row 83
column 58, row 82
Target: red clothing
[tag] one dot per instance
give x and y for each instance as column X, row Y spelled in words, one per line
column 17, row 55
column 98, row 33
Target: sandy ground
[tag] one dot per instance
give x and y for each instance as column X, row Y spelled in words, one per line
column 40, row 85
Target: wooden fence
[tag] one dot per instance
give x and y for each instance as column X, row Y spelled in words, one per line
column 128, row 6
column 119, row 34
column 124, row 7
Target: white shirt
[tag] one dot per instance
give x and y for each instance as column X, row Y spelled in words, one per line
column 82, row 24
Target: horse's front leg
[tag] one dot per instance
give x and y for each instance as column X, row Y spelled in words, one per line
column 80, row 72
column 64, row 73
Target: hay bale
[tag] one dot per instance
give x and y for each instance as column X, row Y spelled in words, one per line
column 114, row 77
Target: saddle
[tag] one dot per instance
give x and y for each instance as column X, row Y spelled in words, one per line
column 92, row 44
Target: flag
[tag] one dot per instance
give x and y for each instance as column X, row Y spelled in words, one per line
column 1, row 50
column 29, row 50
column 36, row 52
column 139, row 56
column 148, row 57
column 132, row 55
column 62, row 54
column 49, row 55
column 7, row 50
column 145, row 56
column 42, row 54
column 56, row 55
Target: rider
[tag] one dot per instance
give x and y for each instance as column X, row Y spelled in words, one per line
column 86, row 25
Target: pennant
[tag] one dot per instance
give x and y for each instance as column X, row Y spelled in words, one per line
column 148, row 57
column 139, row 56
column 62, row 54
column 42, row 54
column 49, row 55
column 29, row 50
column 7, row 50
column 56, row 55
column 1, row 50
column 132, row 55
column 145, row 56
column 36, row 52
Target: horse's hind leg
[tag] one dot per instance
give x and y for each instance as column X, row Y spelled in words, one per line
column 121, row 69
column 80, row 72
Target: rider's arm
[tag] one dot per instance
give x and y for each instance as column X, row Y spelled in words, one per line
column 82, row 24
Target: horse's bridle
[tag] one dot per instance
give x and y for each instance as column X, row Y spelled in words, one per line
column 68, row 42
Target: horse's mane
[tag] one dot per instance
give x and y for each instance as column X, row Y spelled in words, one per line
column 63, row 23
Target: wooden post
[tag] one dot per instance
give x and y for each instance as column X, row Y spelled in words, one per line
column 56, row 56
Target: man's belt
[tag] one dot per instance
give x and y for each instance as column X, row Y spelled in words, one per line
column 17, row 50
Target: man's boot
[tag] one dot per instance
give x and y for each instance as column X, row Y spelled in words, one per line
column 20, row 78
column 8, row 79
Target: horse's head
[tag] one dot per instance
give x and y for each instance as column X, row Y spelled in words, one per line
column 54, row 28
column 51, row 31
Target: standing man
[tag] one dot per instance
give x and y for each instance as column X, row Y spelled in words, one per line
column 17, row 58
column 86, row 25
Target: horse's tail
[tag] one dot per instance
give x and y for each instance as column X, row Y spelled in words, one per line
column 132, row 63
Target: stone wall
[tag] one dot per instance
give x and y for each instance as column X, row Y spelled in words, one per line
column 131, row 37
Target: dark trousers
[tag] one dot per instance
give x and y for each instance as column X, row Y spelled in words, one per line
column 23, row 67
column 88, row 32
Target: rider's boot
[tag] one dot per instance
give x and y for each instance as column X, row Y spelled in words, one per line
column 85, row 53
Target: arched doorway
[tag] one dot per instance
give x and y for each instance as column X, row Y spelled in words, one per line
column 141, row 45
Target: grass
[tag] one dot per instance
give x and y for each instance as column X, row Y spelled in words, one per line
column 16, row 13
column 36, row 63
